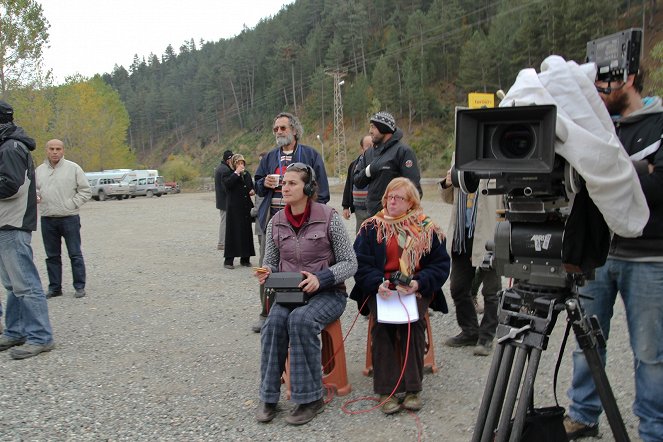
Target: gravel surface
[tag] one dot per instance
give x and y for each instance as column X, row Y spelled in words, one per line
column 161, row 347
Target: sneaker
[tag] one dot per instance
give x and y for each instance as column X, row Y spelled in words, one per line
column 483, row 347
column 304, row 413
column 7, row 343
column 29, row 350
column 461, row 340
column 576, row 430
column 412, row 402
column 266, row 412
column 258, row 325
column 391, row 405
column 53, row 294
column 79, row 293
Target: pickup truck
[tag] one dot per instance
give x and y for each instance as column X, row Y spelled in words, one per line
column 104, row 188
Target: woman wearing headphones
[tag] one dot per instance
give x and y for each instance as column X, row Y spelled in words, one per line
column 310, row 238
column 401, row 253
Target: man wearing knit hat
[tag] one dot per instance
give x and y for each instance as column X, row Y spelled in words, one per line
column 391, row 158
column 222, row 170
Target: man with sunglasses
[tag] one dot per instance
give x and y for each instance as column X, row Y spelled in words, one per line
column 634, row 268
column 288, row 131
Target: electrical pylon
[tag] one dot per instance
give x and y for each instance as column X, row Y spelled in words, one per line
column 340, row 151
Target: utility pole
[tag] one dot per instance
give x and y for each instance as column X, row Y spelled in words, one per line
column 340, row 151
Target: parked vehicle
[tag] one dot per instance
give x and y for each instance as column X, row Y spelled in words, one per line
column 104, row 185
column 148, row 182
column 172, row 187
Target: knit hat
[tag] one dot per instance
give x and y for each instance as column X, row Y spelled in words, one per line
column 6, row 112
column 237, row 158
column 228, row 154
column 384, row 122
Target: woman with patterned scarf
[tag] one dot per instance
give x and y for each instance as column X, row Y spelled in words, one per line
column 400, row 238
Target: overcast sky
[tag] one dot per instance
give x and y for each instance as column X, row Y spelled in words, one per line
column 91, row 36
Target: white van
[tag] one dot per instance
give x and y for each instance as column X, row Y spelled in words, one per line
column 109, row 184
column 148, row 182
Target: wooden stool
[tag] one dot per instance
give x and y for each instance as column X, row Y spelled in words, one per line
column 334, row 371
column 429, row 355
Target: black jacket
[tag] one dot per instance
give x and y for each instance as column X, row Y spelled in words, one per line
column 222, row 171
column 388, row 161
column 640, row 133
column 18, row 201
column 347, row 202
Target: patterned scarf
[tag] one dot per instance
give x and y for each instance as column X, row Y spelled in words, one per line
column 414, row 232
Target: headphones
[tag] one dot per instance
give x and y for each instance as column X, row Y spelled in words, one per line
column 310, row 185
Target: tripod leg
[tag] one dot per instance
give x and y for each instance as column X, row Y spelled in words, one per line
column 588, row 336
column 488, row 392
column 525, row 394
column 512, row 393
column 498, row 395
column 605, row 393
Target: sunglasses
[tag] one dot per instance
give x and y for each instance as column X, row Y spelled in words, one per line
column 275, row 129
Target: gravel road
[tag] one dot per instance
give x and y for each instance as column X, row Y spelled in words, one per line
column 161, row 347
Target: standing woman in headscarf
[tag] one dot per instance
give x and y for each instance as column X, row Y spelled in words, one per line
column 400, row 238
column 239, row 236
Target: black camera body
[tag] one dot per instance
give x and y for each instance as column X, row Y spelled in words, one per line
column 617, row 55
column 398, row 278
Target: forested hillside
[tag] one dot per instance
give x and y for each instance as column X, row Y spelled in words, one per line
column 415, row 58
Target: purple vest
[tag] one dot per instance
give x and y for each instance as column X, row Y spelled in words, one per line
column 309, row 249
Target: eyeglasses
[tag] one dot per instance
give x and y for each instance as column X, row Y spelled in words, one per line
column 275, row 129
column 396, row 198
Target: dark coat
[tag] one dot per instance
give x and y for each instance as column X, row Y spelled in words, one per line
column 239, row 234
column 222, row 171
column 371, row 257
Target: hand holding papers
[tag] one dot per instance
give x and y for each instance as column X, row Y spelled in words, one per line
column 391, row 311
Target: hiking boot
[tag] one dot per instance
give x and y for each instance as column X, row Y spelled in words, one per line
column 7, row 343
column 266, row 412
column 576, row 430
column 29, row 350
column 391, row 405
column 53, row 294
column 304, row 413
column 79, row 293
column 412, row 401
column 483, row 347
column 258, row 325
column 461, row 340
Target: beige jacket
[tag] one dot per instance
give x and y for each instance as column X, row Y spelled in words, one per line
column 486, row 220
column 63, row 189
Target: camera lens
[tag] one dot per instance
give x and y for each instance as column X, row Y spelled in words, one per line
column 515, row 141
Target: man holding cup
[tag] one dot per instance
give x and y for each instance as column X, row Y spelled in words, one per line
column 288, row 132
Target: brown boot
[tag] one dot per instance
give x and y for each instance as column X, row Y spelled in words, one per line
column 265, row 412
column 304, row 413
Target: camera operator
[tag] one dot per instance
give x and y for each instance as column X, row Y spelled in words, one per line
column 472, row 223
column 634, row 268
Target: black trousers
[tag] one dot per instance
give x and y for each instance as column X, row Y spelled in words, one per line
column 462, row 274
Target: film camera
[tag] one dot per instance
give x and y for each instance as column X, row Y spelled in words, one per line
column 515, row 147
column 616, row 55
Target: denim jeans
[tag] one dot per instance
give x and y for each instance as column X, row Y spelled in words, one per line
column 52, row 230
column 26, row 314
column 641, row 287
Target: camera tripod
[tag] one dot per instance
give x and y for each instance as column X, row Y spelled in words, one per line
column 527, row 315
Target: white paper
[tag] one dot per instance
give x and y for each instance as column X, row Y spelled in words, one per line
column 391, row 311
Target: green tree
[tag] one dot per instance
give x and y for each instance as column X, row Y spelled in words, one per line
column 179, row 168
column 655, row 85
column 92, row 121
column 23, row 34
